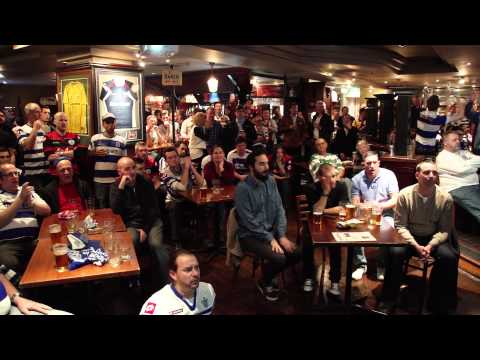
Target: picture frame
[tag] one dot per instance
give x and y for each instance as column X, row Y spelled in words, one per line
column 74, row 89
column 120, row 92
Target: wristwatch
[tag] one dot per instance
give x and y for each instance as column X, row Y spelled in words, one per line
column 325, row 195
column 14, row 296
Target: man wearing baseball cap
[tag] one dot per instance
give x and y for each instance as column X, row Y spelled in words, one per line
column 107, row 148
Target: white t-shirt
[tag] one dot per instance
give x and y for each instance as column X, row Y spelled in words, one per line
column 457, row 169
column 168, row 301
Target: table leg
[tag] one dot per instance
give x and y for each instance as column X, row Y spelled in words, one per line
column 348, row 285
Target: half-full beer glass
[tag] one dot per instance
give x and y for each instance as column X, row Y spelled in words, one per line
column 60, row 251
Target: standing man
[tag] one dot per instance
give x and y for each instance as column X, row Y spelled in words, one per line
column 60, row 143
column 379, row 187
column 262, row 224
column 31, row 138
column 322, row 122
column 428, row 126
column 474, row 117
column 46, row 119
column 135, row 200
column 107, row 148
column 423, row 218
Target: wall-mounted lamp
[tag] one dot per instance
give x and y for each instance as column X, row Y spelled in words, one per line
column 212, row 82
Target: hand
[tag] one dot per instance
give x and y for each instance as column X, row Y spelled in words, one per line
column 420, row 250
column 37, row 125
column 187, row 162
column 427, row 250
column 326, row 185
column 243, row 177
column 100, row 152
column 287, row 244
column 26, row 305
column 125, row 180
column 26, row 193
column 143, row 235
column 276, row 248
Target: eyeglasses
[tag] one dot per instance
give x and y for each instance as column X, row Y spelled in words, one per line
column 11, row 174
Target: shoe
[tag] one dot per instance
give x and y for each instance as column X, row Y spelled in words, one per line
column 358, row 274
column 308, row 285
column 380, row 273
column 334, row 289
column 268, row 292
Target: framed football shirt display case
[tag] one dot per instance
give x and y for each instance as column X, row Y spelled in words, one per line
column 120, row 92
column 74, row 90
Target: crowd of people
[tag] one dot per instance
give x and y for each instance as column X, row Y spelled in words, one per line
column 269, row 159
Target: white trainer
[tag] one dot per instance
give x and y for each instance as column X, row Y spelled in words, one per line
column 358, row 274
column 334, row 289
column 308, row 285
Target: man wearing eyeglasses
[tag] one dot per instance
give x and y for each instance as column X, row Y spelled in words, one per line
column 378, row 187
column 19, row 207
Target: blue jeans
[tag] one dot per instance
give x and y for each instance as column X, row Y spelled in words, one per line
column 359, row 258
column 468, row 197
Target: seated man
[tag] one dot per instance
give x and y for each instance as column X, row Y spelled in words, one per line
column 13, row 303
column 66, row 191
column 238, row 157
column 185, row 295
column 150, row 164
column 321, row 156
column 18, row 224
column 423, row 217
column 6, row 156
column 134, row 199
column 262, row 224
column 457, row 170
column 325, row 196
column 178, row 176
column 378, row 187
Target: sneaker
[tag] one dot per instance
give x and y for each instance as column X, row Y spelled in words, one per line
column 334, row 289
column 308, row 285
column 380, row 273
column 267, row 291
column 358, row 274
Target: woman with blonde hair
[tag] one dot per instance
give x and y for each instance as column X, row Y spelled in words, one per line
column 198, row 138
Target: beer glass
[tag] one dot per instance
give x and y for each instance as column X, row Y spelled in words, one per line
column 342, row 215
column 91, row 207
column 376, row 218
column 55, row 231
column 114, row 253
column 203, row 192
column 317, row 217
column 72, row 224
column 124, row 250
column 60, row 251
column 350, row 211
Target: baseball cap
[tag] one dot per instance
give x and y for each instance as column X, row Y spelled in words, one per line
column 108, row 116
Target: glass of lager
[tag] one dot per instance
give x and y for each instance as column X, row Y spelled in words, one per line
column 60, row 251
column 55, row 231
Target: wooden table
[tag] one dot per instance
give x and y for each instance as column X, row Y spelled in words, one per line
column 226, row 194
column 321, row 235
column 41, row 268
column 100, row 216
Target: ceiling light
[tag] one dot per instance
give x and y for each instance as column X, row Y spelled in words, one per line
column 386, row 82
column 172, row 54
column 141, row 63
column 461, row 81
column 469, row 63
column 437, row 80
column 354, row 73
column 212, row 82
column 354, row 79
column 4, row 82
column 167, row 60
column 1, row 76
column 154, row 73
column 137, row 55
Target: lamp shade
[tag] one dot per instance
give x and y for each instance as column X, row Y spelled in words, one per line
column 212, row 84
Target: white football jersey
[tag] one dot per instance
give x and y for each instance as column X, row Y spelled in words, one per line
column 168, row 301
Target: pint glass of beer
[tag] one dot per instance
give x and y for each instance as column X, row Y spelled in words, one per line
column 203, row 192
column 350, row 210
column 55, row 231
column 376, row 218
column 317, row 217
column 60, row 251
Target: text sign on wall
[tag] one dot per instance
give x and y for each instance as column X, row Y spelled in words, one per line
column 171, row 78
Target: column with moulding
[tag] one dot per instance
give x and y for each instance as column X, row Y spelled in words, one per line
column 385, row 118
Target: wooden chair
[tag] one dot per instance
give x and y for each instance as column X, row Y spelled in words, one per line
column 418, row 264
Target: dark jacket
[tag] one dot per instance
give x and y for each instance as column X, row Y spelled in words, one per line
column 49, row 193
column 137, row 205
column 345, row 143
column 326, row 127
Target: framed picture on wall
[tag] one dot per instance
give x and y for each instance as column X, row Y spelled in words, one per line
column 74, row 90
column 120, row 92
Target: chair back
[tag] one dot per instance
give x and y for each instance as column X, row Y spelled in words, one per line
column 302, row 212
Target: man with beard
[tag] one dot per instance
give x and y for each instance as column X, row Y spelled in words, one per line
column 262, row 224
column 186, row 294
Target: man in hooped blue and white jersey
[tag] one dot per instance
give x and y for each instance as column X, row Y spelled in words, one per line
column 107, row 148
column 428, row 126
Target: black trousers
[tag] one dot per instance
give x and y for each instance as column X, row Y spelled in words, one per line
column 443, row 278
column 15, row 254
column 309, row 265
column 275, row 263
